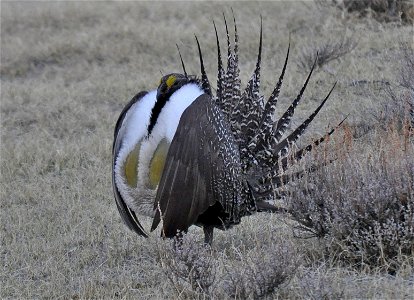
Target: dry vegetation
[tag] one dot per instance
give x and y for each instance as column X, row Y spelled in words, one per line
column 382, row 10
column 361, row 202
column 67, row 69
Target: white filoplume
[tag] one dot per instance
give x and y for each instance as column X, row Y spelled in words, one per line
column 134, row 130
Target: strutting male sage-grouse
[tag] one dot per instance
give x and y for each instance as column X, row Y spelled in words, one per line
column 185, row 156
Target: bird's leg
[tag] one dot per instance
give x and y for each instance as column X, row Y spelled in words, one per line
column 208, row 234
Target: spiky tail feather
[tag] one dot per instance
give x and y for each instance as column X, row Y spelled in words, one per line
column 282, row 166
column 220, row 74
column 252, row 122
column 231, row 81
column 205, row 84
column 248, row 112
column 271, row 154
column 267, row 122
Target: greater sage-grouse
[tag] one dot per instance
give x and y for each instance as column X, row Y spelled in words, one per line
column 185, row 156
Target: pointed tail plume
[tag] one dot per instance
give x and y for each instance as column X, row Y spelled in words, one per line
column 267, row 123
column 204, row 80
column 182, row 62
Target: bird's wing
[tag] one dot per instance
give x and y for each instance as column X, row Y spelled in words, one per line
column 128, row 216
column 120, row 126
column 186, row 187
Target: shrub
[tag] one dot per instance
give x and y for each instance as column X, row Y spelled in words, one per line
column 325, row 53
column 261, row 271
column 240, row 271
column 399, row 99
column 189, row 265
column 406, row 77
column 363, row 202
column 381, row 10
column 319, row 283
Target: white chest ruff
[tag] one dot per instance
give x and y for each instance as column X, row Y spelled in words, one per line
column 140, row 198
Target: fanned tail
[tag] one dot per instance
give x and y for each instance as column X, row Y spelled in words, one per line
column 268, row 187
column 272, row 154
column 279, row 127
column 276, row 176
column 263, row 152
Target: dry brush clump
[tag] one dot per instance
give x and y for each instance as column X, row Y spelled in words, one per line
column 397, row 101
column 245, row 271
column 406, row 76
column 318, row 282
column 190, row 266
column 328, row 51
column 362, row 203
column 261, row 272
column 381, row 10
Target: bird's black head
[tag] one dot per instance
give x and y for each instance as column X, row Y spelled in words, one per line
column 168, row 85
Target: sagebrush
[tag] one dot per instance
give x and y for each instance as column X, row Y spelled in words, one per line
column 362, row 202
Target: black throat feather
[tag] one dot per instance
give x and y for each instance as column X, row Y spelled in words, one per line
column 163, row 98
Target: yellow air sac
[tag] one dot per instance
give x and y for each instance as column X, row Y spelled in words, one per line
column 131, row 166
column 157, row 163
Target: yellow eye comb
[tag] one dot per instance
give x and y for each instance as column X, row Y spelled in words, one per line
column 170, row 81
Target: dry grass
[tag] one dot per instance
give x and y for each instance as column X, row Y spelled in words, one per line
column 67, row 69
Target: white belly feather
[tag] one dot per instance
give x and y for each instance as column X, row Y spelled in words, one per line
column 140, row 195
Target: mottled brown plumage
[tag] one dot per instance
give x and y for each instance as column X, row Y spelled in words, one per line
column 227, row 152
column 202, row 180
